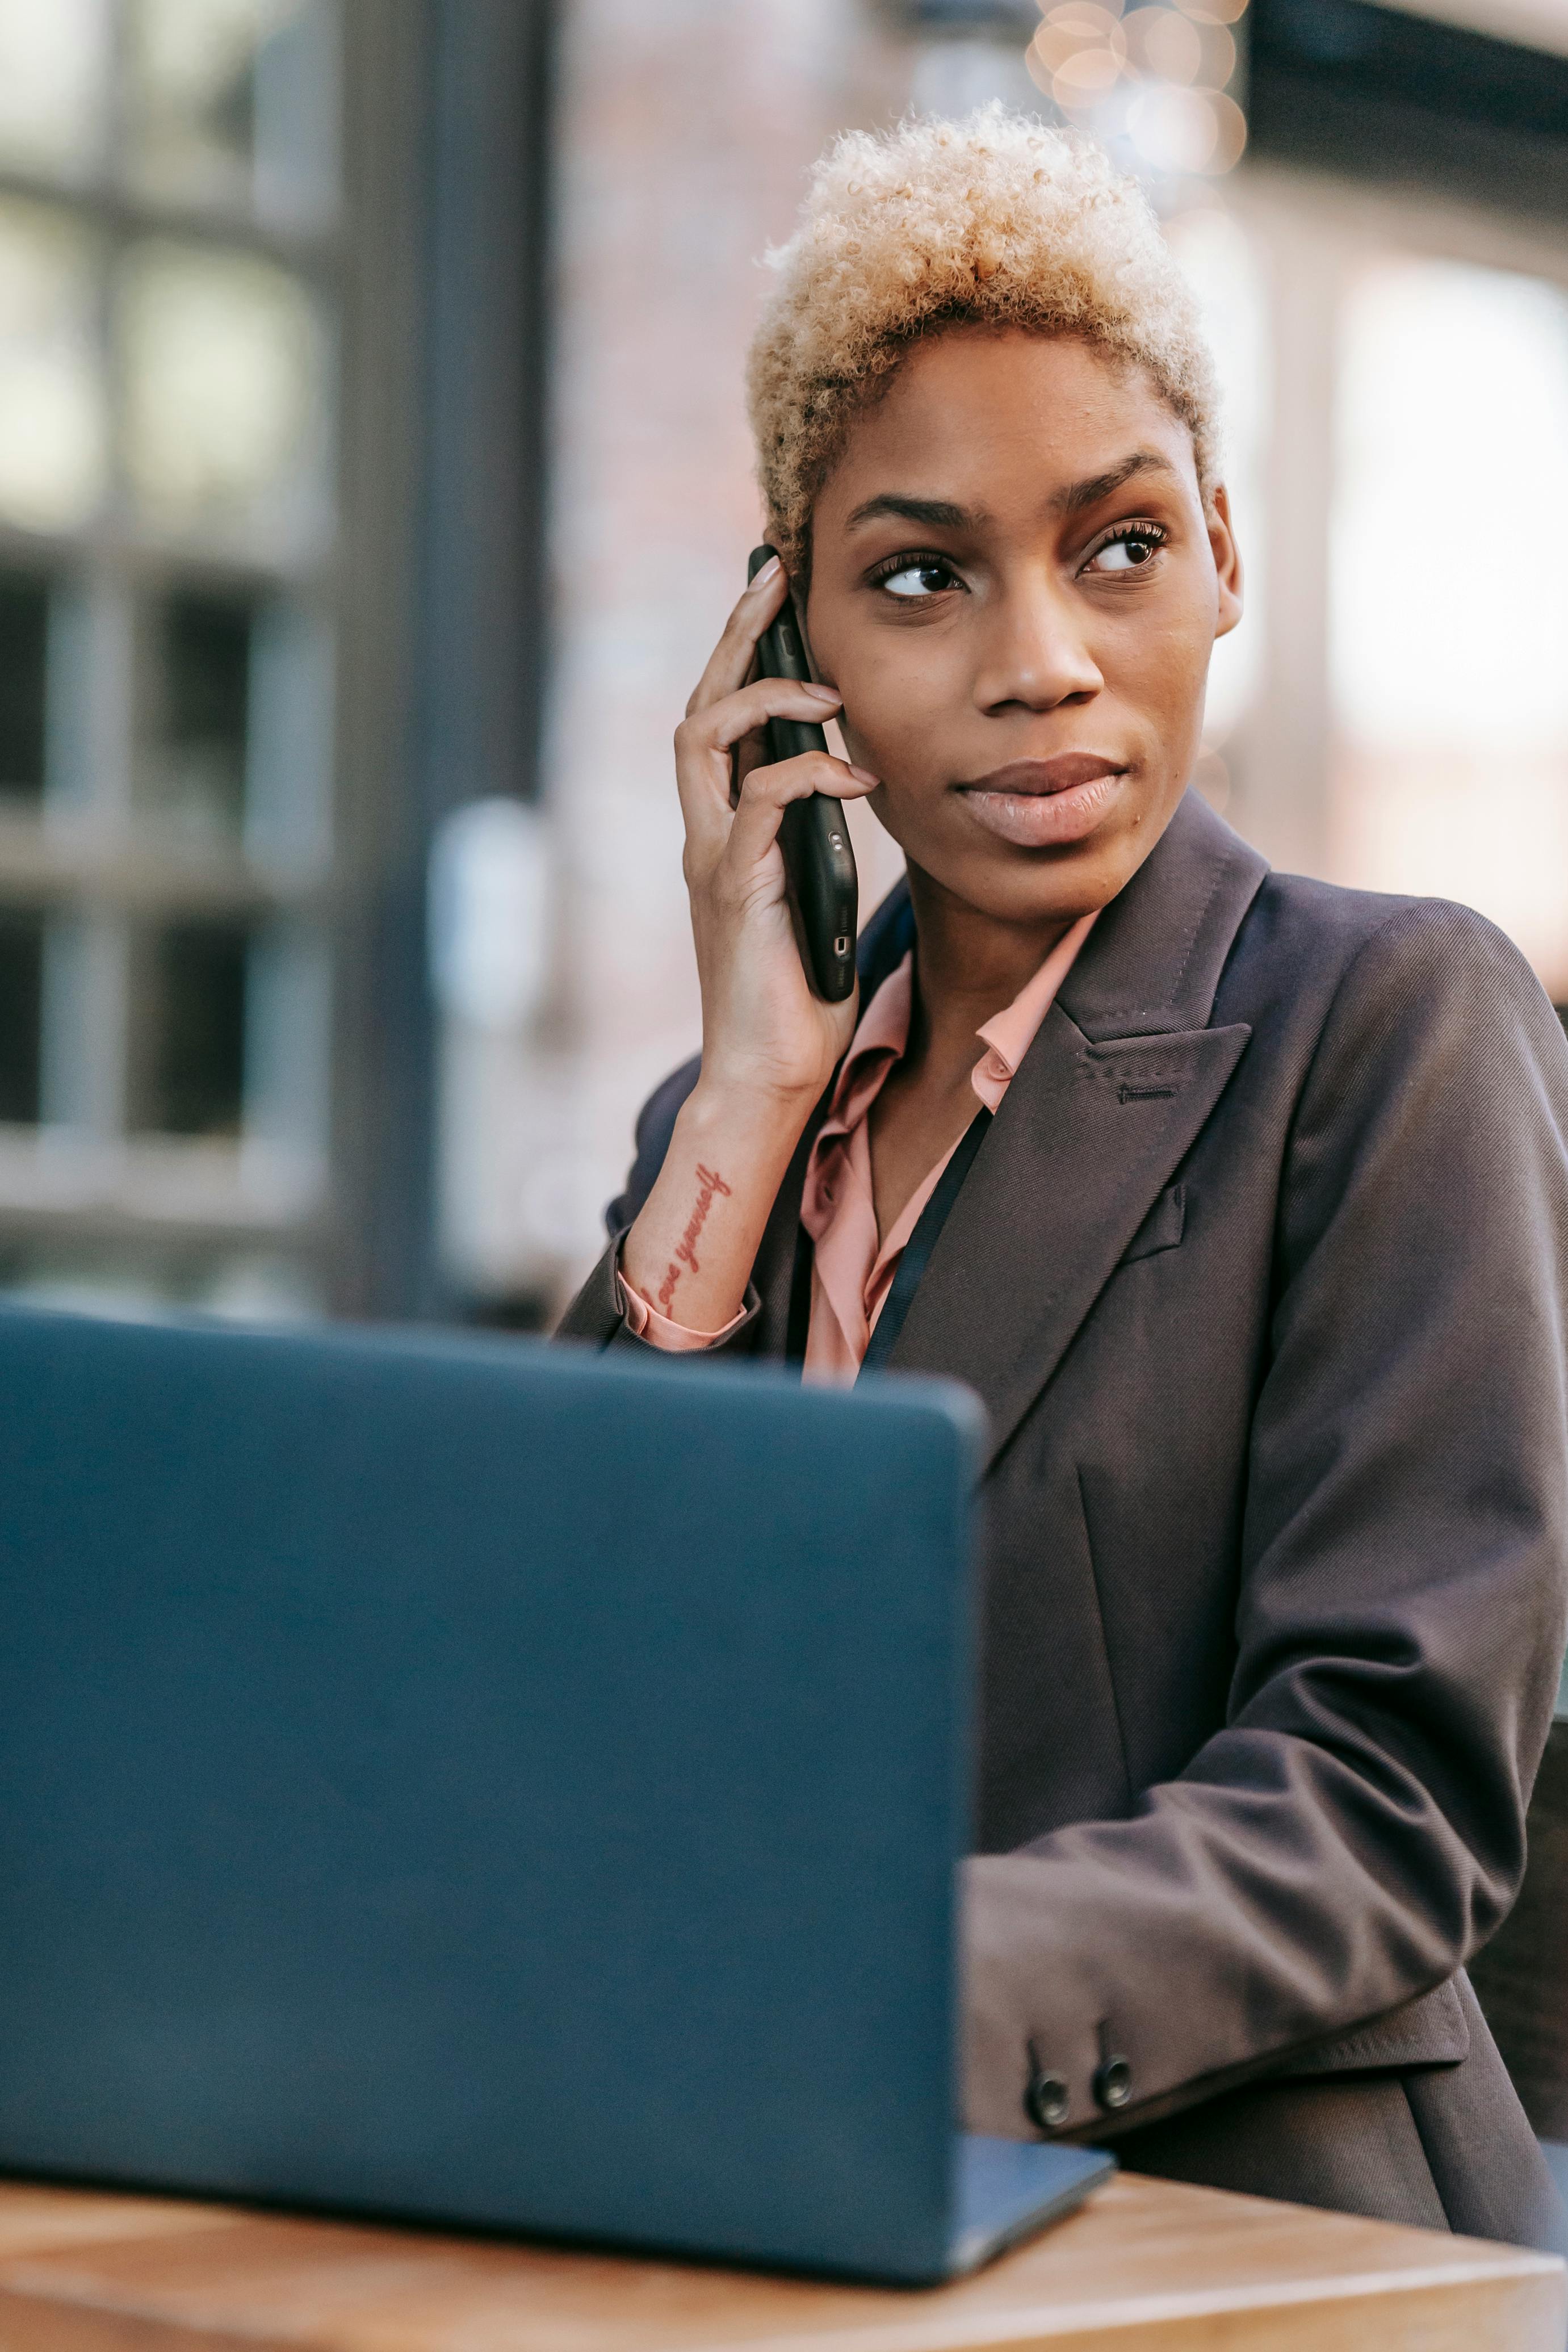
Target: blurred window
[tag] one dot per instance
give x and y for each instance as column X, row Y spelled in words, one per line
column 21, row 992
column 1448, row 615
column 24, row 656
column 192, row 771
column 222, row 365
column 53, row 396
column 55, row 65
column 152, row 1278
column 1403, row 725
column 190, row 1000
column 169, row 264
column 232, row 103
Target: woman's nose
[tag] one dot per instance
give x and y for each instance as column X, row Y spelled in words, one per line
column 1035, row 653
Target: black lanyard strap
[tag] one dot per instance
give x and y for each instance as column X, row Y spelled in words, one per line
column 921, row 1241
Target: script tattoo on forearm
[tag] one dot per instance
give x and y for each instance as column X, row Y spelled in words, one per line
column 709, row 1183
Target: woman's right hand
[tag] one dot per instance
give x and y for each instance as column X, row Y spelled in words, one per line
column 766, row 1036
column 769, row 1044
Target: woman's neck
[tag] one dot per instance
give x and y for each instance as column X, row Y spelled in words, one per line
column 969, row 967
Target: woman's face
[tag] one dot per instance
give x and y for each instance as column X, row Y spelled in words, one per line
column 1015, row 589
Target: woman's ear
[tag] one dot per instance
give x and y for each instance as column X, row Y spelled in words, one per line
column 1226, row 562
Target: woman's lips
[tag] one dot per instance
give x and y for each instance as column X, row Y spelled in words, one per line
column 1037, row 803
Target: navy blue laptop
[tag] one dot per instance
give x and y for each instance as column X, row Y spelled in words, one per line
column 493, row 1786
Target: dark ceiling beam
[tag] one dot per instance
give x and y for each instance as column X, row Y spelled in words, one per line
column 1404, row 99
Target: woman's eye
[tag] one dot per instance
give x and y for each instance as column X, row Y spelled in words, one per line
column 1132, row 554
column 927, row 579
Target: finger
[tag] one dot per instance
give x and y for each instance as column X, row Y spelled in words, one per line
column 732, row 656
column 749, row 707
column 752, row 751
column 704, row 773
column 811, row 771
column 768, row 792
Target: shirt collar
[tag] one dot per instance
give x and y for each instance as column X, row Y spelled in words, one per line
column 882, row 1035
column 1011, row 1032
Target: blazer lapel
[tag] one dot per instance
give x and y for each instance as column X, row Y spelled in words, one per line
column 1118, row 1084
column 1088, row 1136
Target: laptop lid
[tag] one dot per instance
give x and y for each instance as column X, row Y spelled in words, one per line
column 484, row 1783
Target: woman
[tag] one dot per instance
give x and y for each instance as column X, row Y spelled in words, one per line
column 1258, row 1266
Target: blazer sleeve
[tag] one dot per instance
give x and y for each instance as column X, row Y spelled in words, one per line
column 1357, row 1829
column 596, row 1315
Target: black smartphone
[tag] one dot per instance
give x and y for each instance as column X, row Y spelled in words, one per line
column 819, row 862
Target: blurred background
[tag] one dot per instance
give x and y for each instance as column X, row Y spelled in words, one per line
column 375, row 480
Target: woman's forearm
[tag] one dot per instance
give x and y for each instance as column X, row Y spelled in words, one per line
column 769, row 1044
column 691, row 1252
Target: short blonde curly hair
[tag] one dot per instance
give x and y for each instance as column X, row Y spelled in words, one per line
column 994, row 222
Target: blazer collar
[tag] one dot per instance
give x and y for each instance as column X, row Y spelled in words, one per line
column 1153, row 960
column 1121, row 1077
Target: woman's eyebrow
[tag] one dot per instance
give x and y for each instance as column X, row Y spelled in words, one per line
column 937, row 514
column 1089, row 493
column 942, row 514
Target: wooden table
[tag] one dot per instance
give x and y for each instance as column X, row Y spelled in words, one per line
column 1147, row 2267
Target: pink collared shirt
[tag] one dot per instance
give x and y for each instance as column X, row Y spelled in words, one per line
column 853, row 1266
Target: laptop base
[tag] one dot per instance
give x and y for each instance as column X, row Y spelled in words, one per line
column 1010, row 2189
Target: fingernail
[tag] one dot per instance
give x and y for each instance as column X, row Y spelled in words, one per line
column 766, row 573
column 864, row 776
column 825, row 693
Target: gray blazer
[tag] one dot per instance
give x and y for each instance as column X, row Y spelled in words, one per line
column 1259, row 1274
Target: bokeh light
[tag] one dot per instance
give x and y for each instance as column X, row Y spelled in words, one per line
column 1173, row 46
column 1148, row 82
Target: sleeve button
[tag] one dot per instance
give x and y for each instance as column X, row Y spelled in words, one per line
column 1048, row 2102
column 1113, row 2083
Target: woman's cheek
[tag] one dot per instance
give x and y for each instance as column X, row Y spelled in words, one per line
column 895, row 722
column 867, row 741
